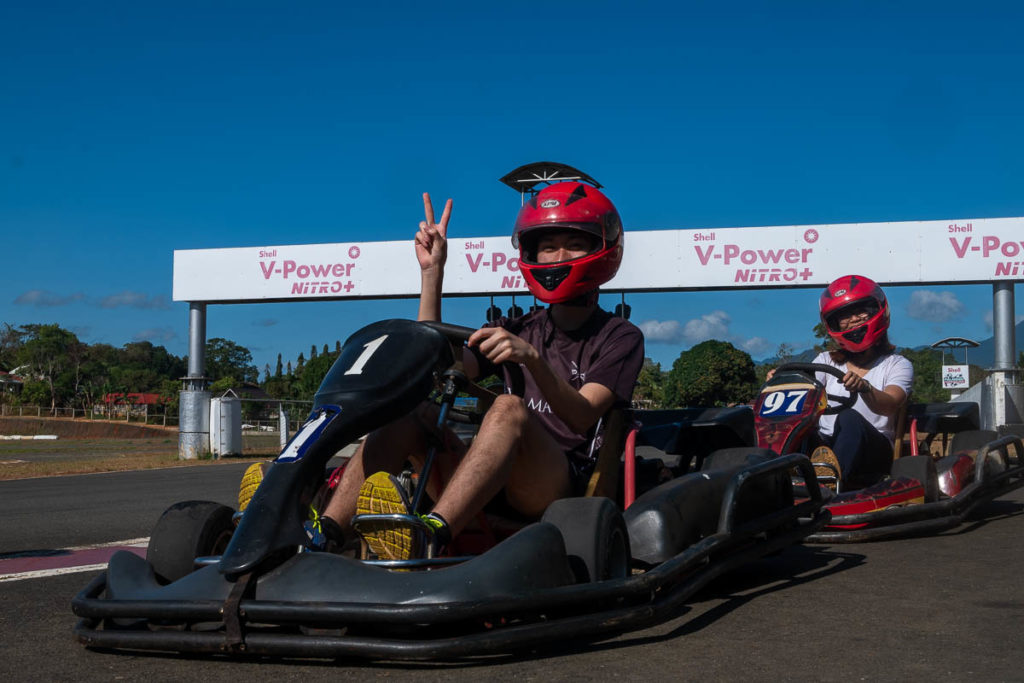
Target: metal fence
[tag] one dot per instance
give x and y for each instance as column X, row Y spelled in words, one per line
column 120, row 413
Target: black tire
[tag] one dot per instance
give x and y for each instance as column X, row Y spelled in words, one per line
column 595, row 537
column 185, row 531
column 921, row 468
column 970, row 442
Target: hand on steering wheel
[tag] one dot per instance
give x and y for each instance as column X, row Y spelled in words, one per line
column 515, row 382
column 842, row 402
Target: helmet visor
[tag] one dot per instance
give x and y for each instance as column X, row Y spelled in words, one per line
column 852, row 316
column 531, row 241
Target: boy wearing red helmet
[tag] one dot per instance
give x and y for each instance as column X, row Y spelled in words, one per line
column 855, row 314
column 580, row 361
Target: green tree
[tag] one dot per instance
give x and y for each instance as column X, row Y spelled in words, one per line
column 225, row 358
column 825, row 342
column 650, row 385
column 52, row 355
column 313, row 372
column 711, row 373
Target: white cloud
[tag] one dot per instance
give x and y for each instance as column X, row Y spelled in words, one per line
column 713, row 325
column 662, row 332
column 42, row 298
column 134, row 300
column 936, row 307
column 989, row 325
column 757, row 346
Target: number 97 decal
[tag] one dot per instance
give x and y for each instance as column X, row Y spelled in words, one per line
column 789, row 402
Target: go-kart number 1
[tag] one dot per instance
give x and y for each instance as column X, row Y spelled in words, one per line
column 368, row 350
column 789, row 402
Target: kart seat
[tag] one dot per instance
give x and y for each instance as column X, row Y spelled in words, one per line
column 604, row 480
column 694, row 433
column 942, row 418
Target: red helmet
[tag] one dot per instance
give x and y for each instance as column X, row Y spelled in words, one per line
column 847, row 292
column 568, row 206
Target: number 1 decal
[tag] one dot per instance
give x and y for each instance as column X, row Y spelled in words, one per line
column 368, row 350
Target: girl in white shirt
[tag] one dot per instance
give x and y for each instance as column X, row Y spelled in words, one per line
column 855, row 314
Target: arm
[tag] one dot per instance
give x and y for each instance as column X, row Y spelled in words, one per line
column 432, row 253
column 885, row 401
column 580, row 410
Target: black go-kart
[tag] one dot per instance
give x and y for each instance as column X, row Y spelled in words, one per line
column 924, row 493
column 626, row 557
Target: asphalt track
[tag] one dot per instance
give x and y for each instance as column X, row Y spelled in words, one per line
column 949, row 607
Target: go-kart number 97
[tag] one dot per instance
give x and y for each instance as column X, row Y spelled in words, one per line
column 368, row 350
column 788, row 402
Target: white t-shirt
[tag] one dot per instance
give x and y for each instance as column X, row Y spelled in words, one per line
column 892, row 369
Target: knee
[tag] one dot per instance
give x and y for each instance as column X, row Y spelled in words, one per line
column 509, row 410
column 849, row 418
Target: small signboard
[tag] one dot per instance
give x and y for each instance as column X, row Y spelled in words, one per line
column 954, row 377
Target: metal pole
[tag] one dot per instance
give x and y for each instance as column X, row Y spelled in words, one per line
column 282, row 424
column 1003, row 401
column 1002, row 325
column 194, row 405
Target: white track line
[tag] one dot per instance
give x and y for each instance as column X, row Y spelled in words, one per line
column 42, row 573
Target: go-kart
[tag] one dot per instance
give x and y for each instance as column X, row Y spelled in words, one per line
column 589, row 569
column 923, row 493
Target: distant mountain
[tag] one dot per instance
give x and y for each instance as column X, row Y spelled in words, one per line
column 983, row 356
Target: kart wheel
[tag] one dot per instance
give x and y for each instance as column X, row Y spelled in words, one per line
column 185, row 531
column 921, row 468
column 595, row 537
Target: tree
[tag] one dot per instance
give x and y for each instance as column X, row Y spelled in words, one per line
column 225, row 358
column 52, row 354
column 711, row 373
column 821, row 333
column 312, row 352
column 650, row 385
column 11, row 340
column 313, row 372
column 277, row 369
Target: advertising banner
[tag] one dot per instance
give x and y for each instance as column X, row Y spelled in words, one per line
column 924, row 252
column 954, row 377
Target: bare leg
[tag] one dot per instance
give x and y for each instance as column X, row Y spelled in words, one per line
column 511, row 450
column 384, row 450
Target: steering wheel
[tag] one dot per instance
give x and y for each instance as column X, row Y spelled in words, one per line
column 515, row 382
column 842, row 402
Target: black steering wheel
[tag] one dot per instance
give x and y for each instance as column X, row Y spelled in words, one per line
column 842, row 402
column 515, row 383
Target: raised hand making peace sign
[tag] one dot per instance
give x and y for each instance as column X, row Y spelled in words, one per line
column 432, row 238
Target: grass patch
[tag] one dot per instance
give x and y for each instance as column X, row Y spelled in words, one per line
column 25, row 458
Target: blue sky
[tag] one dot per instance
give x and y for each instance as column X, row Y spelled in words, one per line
column 129, row 130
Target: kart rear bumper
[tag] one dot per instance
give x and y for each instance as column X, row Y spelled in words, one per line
column 932, row 517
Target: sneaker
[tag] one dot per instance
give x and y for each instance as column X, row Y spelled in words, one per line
column 322, row 533
column 417, row 536
column 383, row 494
column 826, row 467
column 250, row 482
